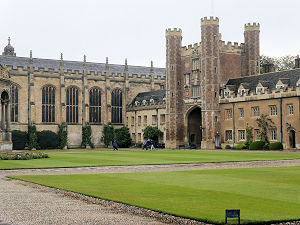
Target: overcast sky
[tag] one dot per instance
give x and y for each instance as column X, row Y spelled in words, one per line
column 135, row 29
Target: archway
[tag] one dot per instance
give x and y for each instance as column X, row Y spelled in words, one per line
column 195, row 127
column 292, row 138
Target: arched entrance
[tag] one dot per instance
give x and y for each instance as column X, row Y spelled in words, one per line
column 195, row 127
column 292, row 137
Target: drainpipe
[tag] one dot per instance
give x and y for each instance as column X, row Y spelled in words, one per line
column 233, row 125
column 281, row 132
column 157, row 117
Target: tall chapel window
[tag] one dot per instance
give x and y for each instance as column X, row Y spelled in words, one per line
column 48, row 104
column 116, row 106
column 14, row 103
column 95, row 105
column 72, row 105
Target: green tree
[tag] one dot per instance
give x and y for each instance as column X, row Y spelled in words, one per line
column 63, row 136
column 249, row 136
column 152, row 133
column 264, row 123
column 86, row 137
column 108, row 135
column 286, row 62
column 123, row 137
column 32, row 138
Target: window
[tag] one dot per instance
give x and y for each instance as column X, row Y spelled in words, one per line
column 255, row 111
column 278, row 87
column 227, row 93
column 273, row 134
column 241, row 135
column 257, row 135
column 228, row 135
column 139, row 137
column 260, row 89
column 215, row 69
column 132, row 121
column 241, row 91
column 154, row 119
column 48, row 104
column 116, row 106
column 95, row 105
column 273, row 110
column 139, row 120
column 241, row 110
column 196, row 64
column 291, row 109
column 145, row 121
column 72, row 105
column 228, row 114
column 162, row 119
column 187, row 79
column 14, row 110
column 196, row 91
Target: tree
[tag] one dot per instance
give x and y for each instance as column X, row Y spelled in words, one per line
column 249, row 136
column 264, row 123
column 123, row 137
column 152, row 133
column 286, row 62
column 108, row 135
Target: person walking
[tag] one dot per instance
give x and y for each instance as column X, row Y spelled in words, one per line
column 145, row 145
column 115, row 145
column 152, row 145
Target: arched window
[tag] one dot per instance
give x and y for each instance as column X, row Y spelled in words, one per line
column 95, row 105
column 116, row 106
column 14, row 111
column 48, row 104
column 72, row 105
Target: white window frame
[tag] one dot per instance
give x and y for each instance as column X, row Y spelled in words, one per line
column 242, row 135
column 257, row 135
column 260, row 89
column 273, row 134
column 241, row 91
column 242, row 112
column 228, row 135
column 291, row 109
column 255, row 111
column 228, row 114
column 273, row 110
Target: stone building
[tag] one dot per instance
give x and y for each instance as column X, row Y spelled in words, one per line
column 191, row 100
column 48, row 93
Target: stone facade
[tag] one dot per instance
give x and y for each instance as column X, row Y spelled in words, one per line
column 30, row 76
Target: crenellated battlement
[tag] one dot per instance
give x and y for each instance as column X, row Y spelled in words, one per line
column 210, row 21
column 229, row 47
column 175, row 31
column 252, row 27
column 188, row 50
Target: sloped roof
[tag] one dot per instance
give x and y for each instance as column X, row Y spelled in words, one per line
column 78, row 65
column 268, row 79
column 156, row 95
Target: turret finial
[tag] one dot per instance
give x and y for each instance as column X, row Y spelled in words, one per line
column 9, row 40
column 61, row 57
column 125, row 61
column 84, row 58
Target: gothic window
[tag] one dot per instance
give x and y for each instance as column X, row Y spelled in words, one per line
column 72, row 105
column 196, row 91
column 14, row 103
column 95, row 105
column 48, row 104
column 116, row 106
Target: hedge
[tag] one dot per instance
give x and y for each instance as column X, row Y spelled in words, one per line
column 19, row 139
column 257, row 145
column 239, row 147
column 47, row 139
column 276, row 146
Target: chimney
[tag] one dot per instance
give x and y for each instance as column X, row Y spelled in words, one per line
column 297, row 62
column 268, row 67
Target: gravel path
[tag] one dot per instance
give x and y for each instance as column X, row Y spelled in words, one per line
column 25, row 203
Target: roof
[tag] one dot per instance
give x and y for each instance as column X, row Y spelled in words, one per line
column 78, row 65
column 269, row 79
column 157, row 96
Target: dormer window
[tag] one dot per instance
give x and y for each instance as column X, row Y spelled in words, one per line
column 298, row 83
column 227, row 93
column 260, row 89
column 241, row 91
column 136, row 103
column 279, row 86
column 152, row 100
column 144, row 102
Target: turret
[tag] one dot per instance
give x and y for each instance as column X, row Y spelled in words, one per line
column 209, row 79
column 174, row 89
column 251, row 36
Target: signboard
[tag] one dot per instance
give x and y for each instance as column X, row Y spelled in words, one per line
column 232, row 213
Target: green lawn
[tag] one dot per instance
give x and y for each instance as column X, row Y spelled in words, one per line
column 140, row 157
column 262, row 194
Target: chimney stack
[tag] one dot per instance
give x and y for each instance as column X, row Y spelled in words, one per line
column 297, row 62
